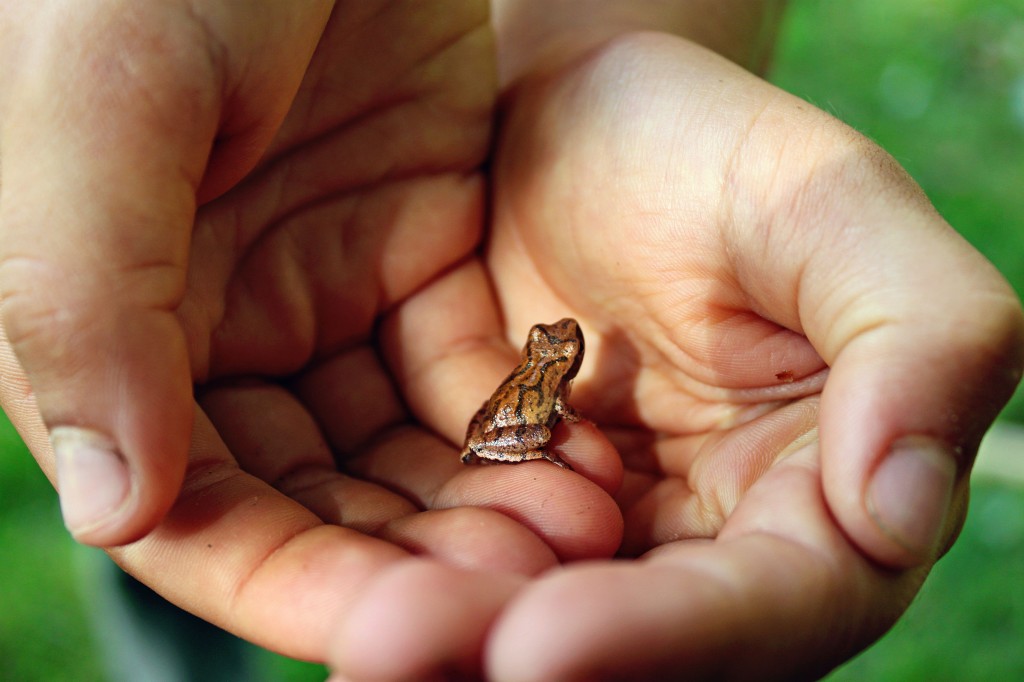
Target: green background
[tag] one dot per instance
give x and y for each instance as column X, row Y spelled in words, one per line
column 940, row 84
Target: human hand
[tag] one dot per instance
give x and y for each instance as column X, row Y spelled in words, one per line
column 795, row 356
column 257, row 561
column 326, row 280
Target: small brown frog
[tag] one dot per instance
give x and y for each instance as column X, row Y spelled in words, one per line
column 515, row 423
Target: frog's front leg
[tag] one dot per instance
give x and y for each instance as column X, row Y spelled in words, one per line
column 566, row 411
column 544, row 454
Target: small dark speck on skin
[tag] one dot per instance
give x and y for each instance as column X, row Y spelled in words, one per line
column 785, row 377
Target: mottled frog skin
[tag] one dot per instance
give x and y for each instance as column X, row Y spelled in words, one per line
column 514, row 424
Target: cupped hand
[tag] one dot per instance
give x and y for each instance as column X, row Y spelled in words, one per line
column 286, row 213
column 246, row 322
column 794, row 355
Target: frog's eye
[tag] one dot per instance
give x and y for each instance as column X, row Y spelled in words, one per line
column 537, row 338
column 579, row 339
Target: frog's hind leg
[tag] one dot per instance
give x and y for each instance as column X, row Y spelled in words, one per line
column 544, row 454
column 567, row 411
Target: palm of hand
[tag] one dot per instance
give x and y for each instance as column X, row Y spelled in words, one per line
column 339, row 317
column 333, row 294
column 665, row 233
column 343, row 307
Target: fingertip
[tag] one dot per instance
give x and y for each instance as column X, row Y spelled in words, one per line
column 101, row 494
column 435, row 619
column 572, row 515
column 590, row 453
column 94, row 482
column 896, row 508
column 908, row 499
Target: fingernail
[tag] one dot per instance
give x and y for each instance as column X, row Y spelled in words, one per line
column 910, row 493
column 92, row 478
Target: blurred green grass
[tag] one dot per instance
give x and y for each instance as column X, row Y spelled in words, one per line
column 940, row 84
column 42, row 625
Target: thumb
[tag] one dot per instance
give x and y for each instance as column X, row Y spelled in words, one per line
column 926, row 343
column 102, row 155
